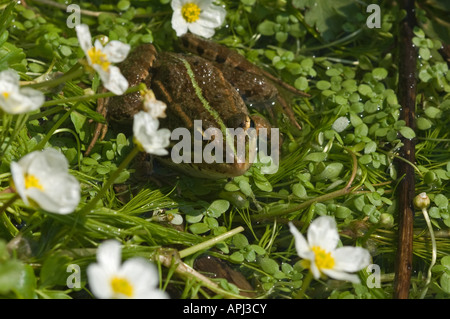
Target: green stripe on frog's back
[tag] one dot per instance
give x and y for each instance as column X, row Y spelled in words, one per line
column 207, row 106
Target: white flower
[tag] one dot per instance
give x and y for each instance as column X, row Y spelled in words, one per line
column 42, row 178
column 340, row 124
column 321, row 253
column 15, row 100
column 147, row 135
column 153, row 106
column 200, row 17
column 100, row 59
column 136, row 278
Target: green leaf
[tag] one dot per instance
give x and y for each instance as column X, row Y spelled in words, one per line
column 423, row 123
column 342, row 212
column 218, row 207
column 326, row 16
column 370, row 147
column 323, row 85
column 379, row 73
column 364, row 89
column 267, row 27
column 26, row 286
column 441, row 201
column 237, row 257
column 316, row 157
column 331, row 171
column 433, row 112
column 407, row 132
column 53, row 271
column 123, row 5
column 268, row 265
column 258, row 249
column 11, row 274
column 199, row 228
column 240, row 241
column 301, row 83
column 299, row 190
column 245, row 187
column 445, row 282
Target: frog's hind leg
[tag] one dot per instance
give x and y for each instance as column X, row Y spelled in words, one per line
column 288, row 111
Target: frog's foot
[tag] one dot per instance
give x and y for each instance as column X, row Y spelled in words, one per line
column 100, row 129
column 288, row 111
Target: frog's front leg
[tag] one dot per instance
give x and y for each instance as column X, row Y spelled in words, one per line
column 101, row 128
column 122, row 108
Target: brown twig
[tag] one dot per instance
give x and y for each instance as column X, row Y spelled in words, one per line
column 407, row 98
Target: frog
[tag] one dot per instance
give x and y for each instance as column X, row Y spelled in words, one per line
column 207, row 82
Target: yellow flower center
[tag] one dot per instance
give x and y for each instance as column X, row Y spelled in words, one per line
column 98, row 57
column 32, row 181
column 190, row 12
column 122, row 286
column 5, row 95
column 324, row 260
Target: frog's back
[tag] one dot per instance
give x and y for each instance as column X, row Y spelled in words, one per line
column 194, row 89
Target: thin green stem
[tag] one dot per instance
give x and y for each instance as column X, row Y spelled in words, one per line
column 89, row 97
column 433, row 251
column 4, row 207
column 54, row 128
column 210, row 242
column 305, row 286
column 341, row 192
column 89, row 206
column 73, row 73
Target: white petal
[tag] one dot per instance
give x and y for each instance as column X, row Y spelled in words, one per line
column 340, row 275
column 113, row 80
column 158, row 143
column 323, row 233
column 16, row 104
column 200, row 30
column 176, row 5
column 48, row 161
column 9, row 77
column 143, row 276
column 313, row 267
column 84, row 36
column 61, row 193
column 155, row 107
column 116, row 51
column 32, row 98
column 109, row 255
column 18, row 176
column 351, row 259
column 179, row 24
column 301, row 245
column 212, row 17
column 99, row 281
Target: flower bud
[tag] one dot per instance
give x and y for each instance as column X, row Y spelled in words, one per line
column 387, row 220
column 421, row 201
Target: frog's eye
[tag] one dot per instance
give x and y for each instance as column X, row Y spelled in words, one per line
column 239, row 120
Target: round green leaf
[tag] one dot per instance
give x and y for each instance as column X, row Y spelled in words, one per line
column 316, row 157
column 268, row 265
column 218, row 207
column 407, row 132
column 423, row 123
column 379, row 73
column 199, row 228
